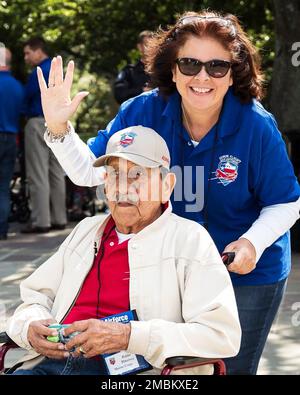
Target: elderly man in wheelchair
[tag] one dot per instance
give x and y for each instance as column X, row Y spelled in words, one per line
column 140, row 258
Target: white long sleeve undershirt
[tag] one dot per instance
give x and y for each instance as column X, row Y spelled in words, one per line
column 272, row 223
column 76, row 159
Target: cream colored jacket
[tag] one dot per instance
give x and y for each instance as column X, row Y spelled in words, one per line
column 179, row 287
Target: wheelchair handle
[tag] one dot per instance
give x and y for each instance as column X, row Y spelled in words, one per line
column 4, row 338
column 180, row 360
column 228, row 257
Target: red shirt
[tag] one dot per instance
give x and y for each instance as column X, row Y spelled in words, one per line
column 107, row 283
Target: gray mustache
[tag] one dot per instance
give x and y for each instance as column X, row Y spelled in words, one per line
column 131, row 198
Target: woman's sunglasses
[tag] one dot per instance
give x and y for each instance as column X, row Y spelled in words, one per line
column 215, row 68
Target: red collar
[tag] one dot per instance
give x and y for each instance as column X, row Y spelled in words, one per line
column 110, row 226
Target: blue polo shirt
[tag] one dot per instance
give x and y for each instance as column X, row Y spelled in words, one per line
column 246, row 168
column 33, row 104
column 11, row 102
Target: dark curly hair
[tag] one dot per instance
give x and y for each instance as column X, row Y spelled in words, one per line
column 162, row 50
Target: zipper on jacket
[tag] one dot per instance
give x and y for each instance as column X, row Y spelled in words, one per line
column 103, row 238
column 74, row 301
column 95, row 249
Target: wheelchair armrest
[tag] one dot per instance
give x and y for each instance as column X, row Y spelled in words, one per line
column 180, row 362
column 4, row 348
column 176, row 361
column 4, row 338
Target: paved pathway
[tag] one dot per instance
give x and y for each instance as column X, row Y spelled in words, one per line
column 282, row 351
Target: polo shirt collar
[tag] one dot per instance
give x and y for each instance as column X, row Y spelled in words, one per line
column 156, row 225
column 228, row 124
column 108, row 224
column 173, row 107
column 231, row 114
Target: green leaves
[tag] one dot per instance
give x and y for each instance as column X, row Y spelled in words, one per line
column 101, row 37
column 102, row 34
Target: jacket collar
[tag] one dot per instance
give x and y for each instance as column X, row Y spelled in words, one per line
column 108, row 223
column 231, row 115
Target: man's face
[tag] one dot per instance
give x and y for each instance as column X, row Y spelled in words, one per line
column 31, row 56
column 134, row 193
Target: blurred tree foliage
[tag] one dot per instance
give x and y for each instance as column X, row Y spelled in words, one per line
column 101, row 35
column 285, row 92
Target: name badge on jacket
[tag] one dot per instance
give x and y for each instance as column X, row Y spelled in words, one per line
column 122, row 362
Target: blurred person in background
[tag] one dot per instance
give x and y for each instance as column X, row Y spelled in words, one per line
column 45, row 175
column 132, row 79
column 11, row 101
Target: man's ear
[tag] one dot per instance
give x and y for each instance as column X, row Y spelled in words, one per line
column 105, row 176
column 168, row 185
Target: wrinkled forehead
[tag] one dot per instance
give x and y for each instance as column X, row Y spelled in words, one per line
column 130, row 168
column 126, row 165
column 118, row 163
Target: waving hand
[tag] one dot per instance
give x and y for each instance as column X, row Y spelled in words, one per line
column 57, row 105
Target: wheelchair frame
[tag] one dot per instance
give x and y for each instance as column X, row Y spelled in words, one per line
column 172, row 364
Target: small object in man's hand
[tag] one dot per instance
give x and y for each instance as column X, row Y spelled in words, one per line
column 60, row 337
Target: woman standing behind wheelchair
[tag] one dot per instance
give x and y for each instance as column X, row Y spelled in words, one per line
column 206, row 107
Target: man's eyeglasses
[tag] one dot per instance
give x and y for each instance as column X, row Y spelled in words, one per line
column 195, row 18
column 215, row 68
